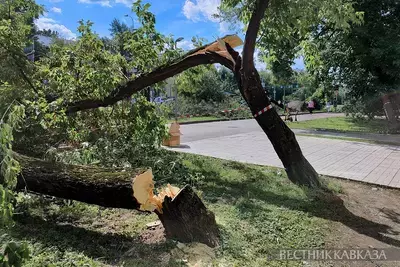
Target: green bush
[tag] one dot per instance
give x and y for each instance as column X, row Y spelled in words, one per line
column 369, row 106
column 202, row 108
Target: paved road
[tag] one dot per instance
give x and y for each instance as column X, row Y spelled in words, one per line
column 200, row 131
column 244, row 141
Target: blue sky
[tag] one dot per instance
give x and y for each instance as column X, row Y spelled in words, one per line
column 181, row 18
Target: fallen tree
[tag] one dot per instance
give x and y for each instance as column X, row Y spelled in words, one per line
column 184, row 217
column 298, row 169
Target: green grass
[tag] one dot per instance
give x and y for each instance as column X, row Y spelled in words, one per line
column 350, row 139
column 343, row 124
column 257, row 210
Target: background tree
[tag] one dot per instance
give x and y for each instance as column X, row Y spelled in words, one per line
column 202, row 83
column 16, row 33
column 363, row 60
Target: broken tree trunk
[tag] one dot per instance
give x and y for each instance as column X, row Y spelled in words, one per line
column 185, row 217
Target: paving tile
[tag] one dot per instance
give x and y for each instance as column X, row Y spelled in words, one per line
column 379, row 164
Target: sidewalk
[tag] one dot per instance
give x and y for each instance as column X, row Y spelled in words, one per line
column 371, row 163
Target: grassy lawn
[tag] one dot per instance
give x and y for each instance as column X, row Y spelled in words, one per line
column 343, row 124
column 256, row 208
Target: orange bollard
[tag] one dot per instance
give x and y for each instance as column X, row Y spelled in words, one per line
column 174, row 135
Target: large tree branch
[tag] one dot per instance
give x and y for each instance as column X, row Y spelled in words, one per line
column 251, row 34
column 207, row 54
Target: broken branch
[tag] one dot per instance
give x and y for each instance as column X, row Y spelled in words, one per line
column 208, row 54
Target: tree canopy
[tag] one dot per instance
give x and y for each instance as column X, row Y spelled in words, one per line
column 287, row 26
column 364, row 59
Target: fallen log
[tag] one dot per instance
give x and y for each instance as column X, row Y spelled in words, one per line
column 184, row 217
column 105, row 187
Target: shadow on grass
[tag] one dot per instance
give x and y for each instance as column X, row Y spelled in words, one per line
column 327, row 206
column 109, row 248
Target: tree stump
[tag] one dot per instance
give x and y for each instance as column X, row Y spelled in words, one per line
column 186, row 219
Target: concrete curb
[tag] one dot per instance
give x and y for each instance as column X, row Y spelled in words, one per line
column 366, row 183
column 206, row 121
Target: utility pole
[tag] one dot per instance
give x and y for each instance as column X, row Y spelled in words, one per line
column 284, row 92
column 176, row 87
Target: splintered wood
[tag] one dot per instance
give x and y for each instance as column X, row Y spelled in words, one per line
column 143, row 186
column 220, row 47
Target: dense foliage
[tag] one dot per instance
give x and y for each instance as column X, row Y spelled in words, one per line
column 287, row 24
column 206, row 83
column 363, row 61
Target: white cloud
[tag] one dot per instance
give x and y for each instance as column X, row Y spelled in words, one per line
column 51, row 24
column 128, row 3
column 204, row 10
column 259, row 63
column 224, row 27
column 197, row 10
column 56, row 10
column 100, row 2
column 107, row 3
column 185, row 45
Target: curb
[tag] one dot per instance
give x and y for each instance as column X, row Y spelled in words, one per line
column 207, row 121
column 353, row 139
column 350, row 132
column 386, row 187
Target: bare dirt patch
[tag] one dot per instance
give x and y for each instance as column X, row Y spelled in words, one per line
column 374, row 223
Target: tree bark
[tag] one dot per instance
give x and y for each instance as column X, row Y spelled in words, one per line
column 298, row 169
column 105, row 187
column 185, row 218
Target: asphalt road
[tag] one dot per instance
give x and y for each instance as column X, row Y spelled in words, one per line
column 195, row 132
